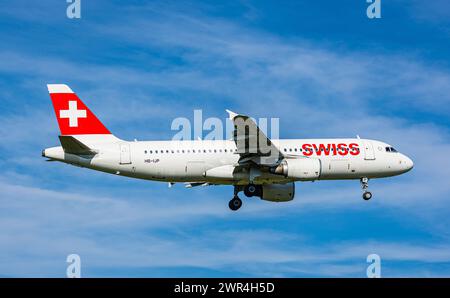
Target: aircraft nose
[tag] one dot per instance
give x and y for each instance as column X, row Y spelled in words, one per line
column 408, row 163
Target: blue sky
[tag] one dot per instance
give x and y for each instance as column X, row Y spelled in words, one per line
column 322, row 67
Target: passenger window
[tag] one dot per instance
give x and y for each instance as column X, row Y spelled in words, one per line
column 145, row 151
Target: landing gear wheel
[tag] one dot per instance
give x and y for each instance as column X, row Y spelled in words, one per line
column 235, row 203
column 250, row 190
column 367, row 195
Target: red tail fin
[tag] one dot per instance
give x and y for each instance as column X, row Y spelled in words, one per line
column 74, row 117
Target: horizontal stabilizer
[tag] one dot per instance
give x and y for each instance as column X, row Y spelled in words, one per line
column 72, row 146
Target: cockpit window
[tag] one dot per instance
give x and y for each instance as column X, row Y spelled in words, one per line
column 390, row 149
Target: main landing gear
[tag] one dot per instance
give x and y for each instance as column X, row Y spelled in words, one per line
column 250, row 190
column 367, row 195
column 235, row 203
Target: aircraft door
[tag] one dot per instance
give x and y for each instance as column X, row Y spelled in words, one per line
column 125, row 154
column 369, row 153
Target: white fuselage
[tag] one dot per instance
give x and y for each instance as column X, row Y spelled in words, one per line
column 250, row 162
column 190, row 161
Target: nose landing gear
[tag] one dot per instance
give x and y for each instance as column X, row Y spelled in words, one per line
column 367, row 195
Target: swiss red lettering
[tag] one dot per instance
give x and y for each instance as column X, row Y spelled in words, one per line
column 333, row 149
column 307, row 149
column 326, row 150
column 342, row 149
column 354, row 149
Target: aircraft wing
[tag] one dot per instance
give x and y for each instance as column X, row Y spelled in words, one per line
column 252, row 144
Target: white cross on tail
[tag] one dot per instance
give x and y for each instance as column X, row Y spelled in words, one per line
column 73, row 114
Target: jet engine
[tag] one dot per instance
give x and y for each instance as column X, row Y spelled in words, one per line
column 278, row 192
column 305, row 169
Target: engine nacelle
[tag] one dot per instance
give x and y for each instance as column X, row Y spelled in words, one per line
column 278, row 192
column 305, row 169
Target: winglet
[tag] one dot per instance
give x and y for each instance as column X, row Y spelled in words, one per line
column 231, row 114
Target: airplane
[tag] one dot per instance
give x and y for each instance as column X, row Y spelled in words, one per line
column 249, row 161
